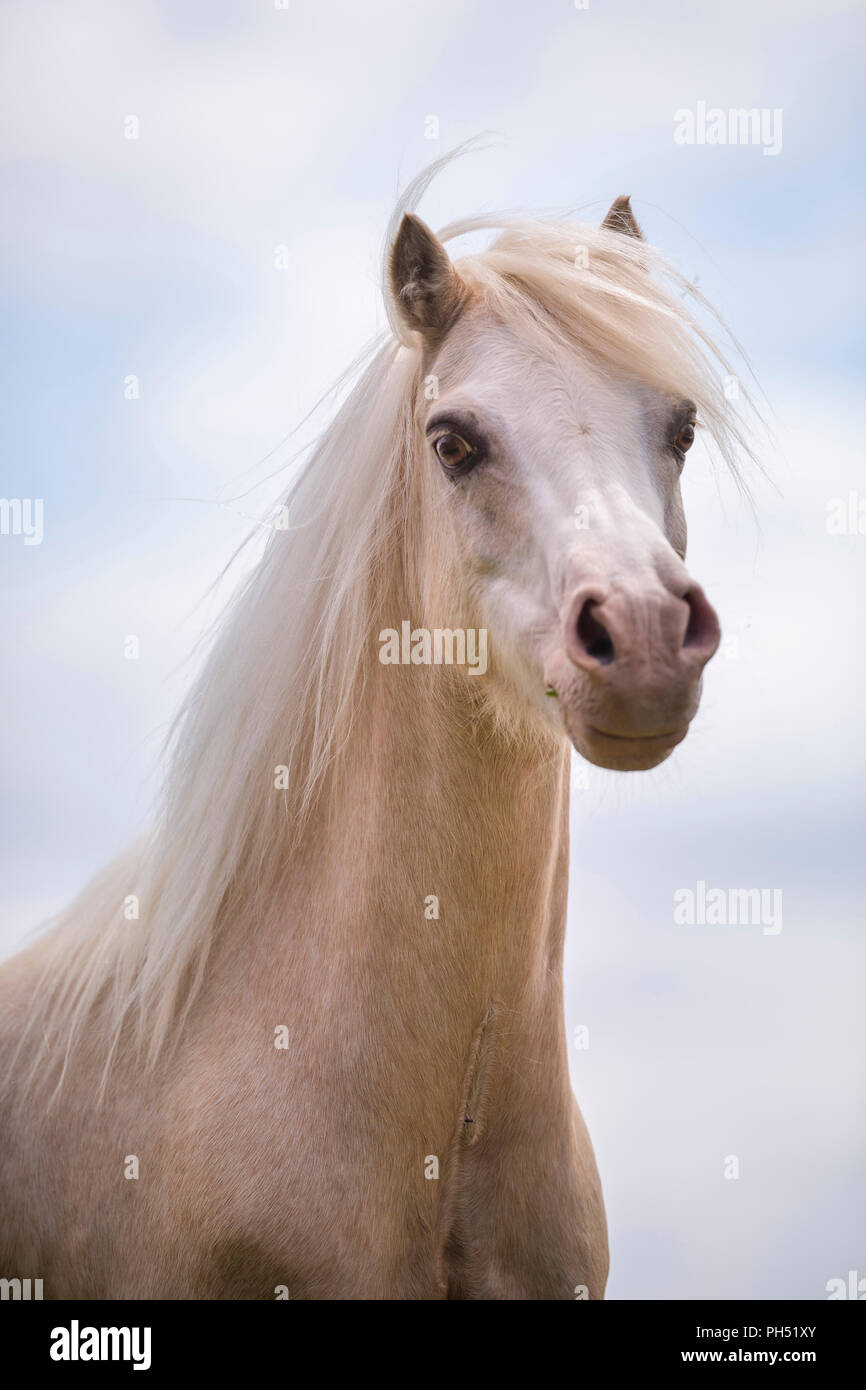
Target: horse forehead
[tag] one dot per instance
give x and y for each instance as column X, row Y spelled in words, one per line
column 481, row 349
column 567, row 422
column 551, row 382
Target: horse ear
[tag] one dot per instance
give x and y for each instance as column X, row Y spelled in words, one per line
column 620, row 218
column 427, row 290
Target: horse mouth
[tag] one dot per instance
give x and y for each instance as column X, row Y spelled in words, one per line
column 626, row 752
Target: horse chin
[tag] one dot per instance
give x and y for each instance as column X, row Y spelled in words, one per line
column 612, row 740
column 625, row 752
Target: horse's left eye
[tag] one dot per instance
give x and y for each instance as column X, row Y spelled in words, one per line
column 685, row 437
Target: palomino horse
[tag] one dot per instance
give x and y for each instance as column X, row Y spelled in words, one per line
column 307, row 1039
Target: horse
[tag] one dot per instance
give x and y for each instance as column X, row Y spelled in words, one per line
column 305, row 1039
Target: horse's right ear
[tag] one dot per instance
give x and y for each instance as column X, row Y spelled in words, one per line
column 620, row 218
column 427, row 290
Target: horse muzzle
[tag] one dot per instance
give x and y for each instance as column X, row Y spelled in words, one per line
column 627, row 672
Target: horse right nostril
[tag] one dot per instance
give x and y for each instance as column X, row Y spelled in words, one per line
column 593, row 637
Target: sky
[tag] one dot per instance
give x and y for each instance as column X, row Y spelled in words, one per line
column 155, row 258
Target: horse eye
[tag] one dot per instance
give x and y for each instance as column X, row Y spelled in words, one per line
column 452, row 451
column 686, row 437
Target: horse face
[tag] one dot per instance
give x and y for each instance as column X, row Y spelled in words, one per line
column 563, row 486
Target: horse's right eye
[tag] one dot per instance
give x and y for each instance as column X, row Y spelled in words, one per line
column 453, row 452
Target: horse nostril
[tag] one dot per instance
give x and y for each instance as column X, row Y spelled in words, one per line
column 593, row 636
column 702, row 630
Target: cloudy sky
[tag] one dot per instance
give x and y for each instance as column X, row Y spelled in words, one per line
column 262, row 127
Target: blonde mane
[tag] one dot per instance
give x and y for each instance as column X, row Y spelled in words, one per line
column 284, row 677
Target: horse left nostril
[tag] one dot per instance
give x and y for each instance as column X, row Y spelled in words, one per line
column 593, row 636
column 702, row 630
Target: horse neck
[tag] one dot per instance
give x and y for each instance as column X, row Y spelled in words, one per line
column 442, row 845
column 435, row 860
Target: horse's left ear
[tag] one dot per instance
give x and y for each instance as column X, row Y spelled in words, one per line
column 620, row 218
column 427, row 290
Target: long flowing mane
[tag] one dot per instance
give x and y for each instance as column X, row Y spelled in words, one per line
column 286, row 671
